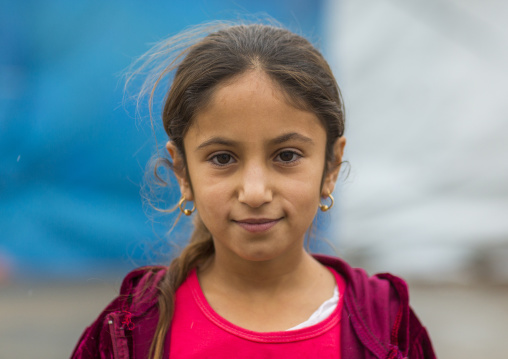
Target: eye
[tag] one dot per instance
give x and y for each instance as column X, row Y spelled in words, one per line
column 222, row 159
column 288, row 156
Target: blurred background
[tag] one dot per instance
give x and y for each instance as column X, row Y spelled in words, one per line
column 424, row 83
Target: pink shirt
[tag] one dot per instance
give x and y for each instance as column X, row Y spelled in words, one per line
column 197, row 331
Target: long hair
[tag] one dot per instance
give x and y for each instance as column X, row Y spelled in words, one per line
column 227, row 51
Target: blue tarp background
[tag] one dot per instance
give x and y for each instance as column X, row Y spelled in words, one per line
column 71, row 156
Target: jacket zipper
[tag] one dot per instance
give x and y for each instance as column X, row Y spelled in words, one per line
column 114, row 338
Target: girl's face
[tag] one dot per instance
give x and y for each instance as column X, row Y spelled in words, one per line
column 256, row 165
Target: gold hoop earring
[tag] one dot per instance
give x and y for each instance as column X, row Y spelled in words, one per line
column 182, row 203
column 324, row 207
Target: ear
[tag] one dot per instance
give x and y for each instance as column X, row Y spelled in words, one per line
column 180, row 171
column 333, row 174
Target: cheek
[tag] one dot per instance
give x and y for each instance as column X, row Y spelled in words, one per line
column 212, row 198
column 304, row 196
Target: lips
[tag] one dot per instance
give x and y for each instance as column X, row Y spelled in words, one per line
column 257, row 225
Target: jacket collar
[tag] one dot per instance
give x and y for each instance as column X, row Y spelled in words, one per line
column 376, row 309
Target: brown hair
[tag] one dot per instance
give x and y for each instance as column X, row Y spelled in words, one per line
column 291, row 61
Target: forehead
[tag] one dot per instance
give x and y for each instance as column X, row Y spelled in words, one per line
column 252, row 107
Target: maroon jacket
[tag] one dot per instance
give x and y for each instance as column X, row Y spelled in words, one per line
column 376, row 322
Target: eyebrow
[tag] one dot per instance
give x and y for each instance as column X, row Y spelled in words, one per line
column 276, row 141
column 291, row 136
column 216, row 141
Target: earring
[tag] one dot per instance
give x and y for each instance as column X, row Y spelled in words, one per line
column 182, row 203
column 325, row 207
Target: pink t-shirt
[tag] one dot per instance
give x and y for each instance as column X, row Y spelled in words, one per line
column 197, row 331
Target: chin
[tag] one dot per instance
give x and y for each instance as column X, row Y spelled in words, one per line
column 258, row 256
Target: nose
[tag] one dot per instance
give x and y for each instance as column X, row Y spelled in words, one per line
column 255, row 188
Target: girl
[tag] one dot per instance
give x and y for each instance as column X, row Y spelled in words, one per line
column 255, row 122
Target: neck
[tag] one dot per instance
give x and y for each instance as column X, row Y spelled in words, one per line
column 259, row 276
column 270, row 295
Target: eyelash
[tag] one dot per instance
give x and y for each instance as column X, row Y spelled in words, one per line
column 214, row 158
column 295, row 158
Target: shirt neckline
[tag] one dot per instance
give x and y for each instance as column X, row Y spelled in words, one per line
column 268, row 337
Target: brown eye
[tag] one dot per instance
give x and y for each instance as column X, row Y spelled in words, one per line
column 222, row 159
column 287, row 156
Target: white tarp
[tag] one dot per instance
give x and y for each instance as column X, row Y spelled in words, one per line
column 425, row 86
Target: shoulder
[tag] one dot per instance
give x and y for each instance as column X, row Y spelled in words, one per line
column 139, row 288
column 369, row 289
column 138, row 296
column 378, row 314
